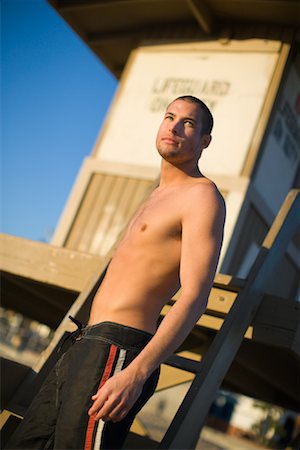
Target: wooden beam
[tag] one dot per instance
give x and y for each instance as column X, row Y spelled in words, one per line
column 266, row 111
column 202, row 14
column 184, row 363
column 46, row 263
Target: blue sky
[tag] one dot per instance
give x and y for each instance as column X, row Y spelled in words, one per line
column 55, row 94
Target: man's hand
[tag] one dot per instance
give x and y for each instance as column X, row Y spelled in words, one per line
column 116, row 397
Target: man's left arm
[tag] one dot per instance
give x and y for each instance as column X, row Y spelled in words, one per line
column 202, row 233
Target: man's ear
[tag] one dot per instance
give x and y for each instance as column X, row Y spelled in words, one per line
column 205, row 140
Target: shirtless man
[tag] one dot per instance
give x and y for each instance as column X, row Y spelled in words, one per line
column 173, row 241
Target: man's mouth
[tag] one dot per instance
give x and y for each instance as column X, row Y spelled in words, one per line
column 169, row 140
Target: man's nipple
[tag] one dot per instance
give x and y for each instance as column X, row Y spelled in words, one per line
column 143, row 227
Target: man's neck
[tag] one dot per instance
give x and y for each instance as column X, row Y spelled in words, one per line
column 171, row 175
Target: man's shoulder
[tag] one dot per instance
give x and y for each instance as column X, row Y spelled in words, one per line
column 205, row 190
column 204, row 202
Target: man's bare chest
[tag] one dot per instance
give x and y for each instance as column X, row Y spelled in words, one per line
column 159, row 217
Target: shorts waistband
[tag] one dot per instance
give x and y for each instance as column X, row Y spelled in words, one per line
column 117, row 333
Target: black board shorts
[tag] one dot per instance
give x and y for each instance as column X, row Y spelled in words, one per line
column 58, row 416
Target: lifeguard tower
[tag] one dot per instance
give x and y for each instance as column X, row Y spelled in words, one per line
column 242, row 58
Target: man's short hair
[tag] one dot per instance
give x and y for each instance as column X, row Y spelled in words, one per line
column 207, row 117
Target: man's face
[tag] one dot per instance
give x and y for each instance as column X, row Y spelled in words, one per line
column 179, row 137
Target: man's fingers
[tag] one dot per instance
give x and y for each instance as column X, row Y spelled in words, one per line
column 103, row 410
column 114, row 399
column 99, row 399
column 118, row 413
column 97, row 405
column 114, row 417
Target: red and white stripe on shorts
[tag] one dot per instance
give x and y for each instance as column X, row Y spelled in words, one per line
column 94, row 431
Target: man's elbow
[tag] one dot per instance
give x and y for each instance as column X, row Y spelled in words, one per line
column 202, row 305
column 197, row 303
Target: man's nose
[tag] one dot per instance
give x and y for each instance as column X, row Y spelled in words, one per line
column 173, row 128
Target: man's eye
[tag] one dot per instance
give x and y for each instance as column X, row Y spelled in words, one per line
column 189, row 122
